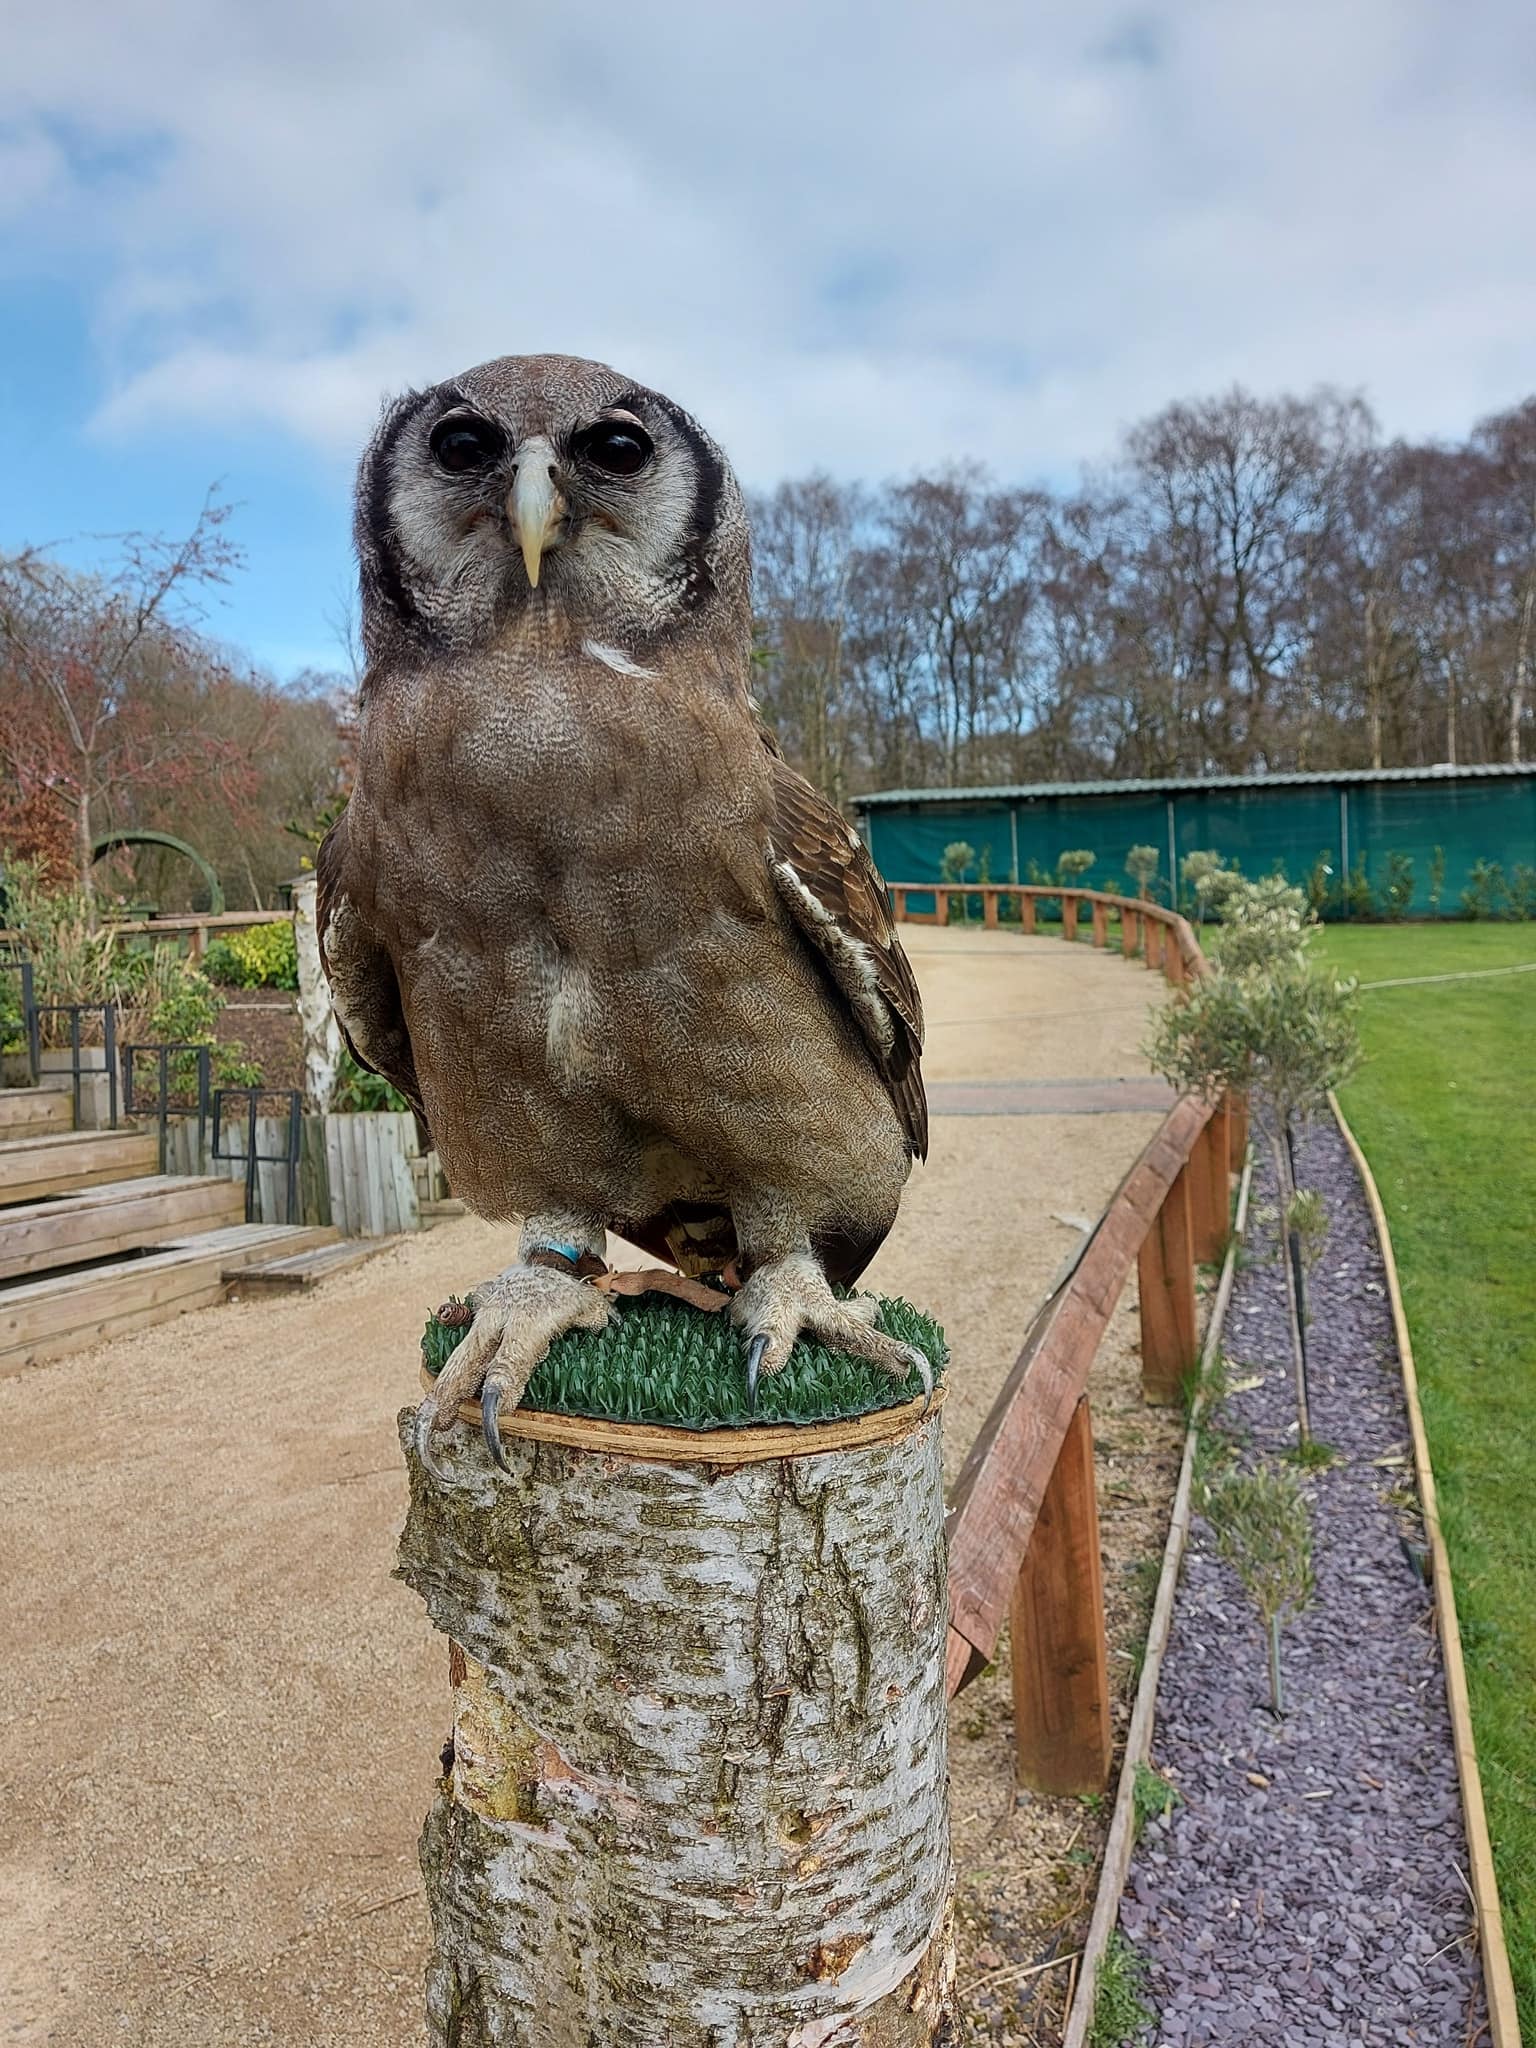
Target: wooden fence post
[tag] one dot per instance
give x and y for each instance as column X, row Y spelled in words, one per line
column 989, row 909
column 1130, row 931
column 1027, row 912
column 1152, row 936
column 1210, row 1194
column 899, row 905
column 1165, row 1276
column 941, row 906
column 1100, row 922
column 1069, row 917
column 1063, row 1739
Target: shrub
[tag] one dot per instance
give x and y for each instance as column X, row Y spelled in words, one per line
column 1522, row 890
column 1262, row 923
column 13, row 1025
column 1319, row 883
column 72, row 960
column 1358, row 898
column 358, row 1089
column 1397, row 890
column 1436, row 878
column 254, row 956
column 959, row 859
column 1485, row 891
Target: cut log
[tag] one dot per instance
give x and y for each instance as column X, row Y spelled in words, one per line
column 697, row 1789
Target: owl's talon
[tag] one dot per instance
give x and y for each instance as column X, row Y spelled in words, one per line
column 755, row 1350
column 924, row 1372
column 426, row 1430
column 790, row 1295
column 490, row 1424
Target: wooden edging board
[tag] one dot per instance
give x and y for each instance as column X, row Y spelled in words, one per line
column 1138, row 1742
column 725, row 1447
column 1503, row 2015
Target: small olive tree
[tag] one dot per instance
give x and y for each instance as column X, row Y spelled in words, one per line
column 1207, row 877
column 1141, row 863
column 1262, row 1523
column 1283, row 1033
column 1072, row 866
column 959, row 858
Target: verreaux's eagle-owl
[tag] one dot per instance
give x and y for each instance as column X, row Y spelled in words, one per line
column 633, row 971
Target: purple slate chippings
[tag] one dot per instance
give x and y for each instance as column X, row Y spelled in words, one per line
column 1310, row 1887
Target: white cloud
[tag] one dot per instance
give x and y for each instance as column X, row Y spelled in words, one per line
column 845, row 237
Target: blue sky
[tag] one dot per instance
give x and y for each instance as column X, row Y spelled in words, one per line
column 848, row 238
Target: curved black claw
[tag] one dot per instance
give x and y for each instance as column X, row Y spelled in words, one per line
column 425, row 1431
column 924, row 1370
column 490, row 1424
column 755, row 1352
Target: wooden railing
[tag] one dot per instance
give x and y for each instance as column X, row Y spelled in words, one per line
column 198, row 926
column 1023, row 1518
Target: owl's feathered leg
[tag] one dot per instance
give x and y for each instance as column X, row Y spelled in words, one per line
column 518, row 1315
column 791, row 1293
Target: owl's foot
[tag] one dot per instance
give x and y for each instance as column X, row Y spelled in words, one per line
column 790, row 1295
column 518, row 1315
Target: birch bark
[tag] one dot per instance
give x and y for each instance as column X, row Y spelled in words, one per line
column 698, row 1789
column 322, row 1034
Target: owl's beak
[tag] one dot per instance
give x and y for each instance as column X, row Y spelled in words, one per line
column 536, row 505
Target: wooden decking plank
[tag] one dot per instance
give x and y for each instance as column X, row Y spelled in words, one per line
column 99, row 1223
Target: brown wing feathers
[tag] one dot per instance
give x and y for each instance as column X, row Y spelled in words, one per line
column 834, row 893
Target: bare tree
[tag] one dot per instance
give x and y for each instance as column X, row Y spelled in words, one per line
column 85, row 657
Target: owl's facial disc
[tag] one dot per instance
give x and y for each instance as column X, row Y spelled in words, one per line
column 549, row 488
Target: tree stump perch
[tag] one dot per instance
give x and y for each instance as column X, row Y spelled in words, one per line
column 698, row 1790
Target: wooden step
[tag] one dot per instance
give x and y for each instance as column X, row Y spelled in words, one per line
column 34, row 1113
column 52, row 1318
column 118, row 1216
column 32, row 1169
column 303, row 1269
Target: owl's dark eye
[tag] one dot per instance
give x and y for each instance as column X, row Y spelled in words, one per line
column 616, row 446
column 462, row 442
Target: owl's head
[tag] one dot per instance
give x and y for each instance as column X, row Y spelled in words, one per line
column 548, row 483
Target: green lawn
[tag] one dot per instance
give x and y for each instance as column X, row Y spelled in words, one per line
column 1446, row 1113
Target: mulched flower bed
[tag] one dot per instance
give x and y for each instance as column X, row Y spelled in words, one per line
column 1310, row 1884
column 264, row 1023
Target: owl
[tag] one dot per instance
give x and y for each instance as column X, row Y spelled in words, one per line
column 634, row 973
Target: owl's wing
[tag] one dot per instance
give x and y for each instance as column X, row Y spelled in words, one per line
column 365, row 993
column 834, row 893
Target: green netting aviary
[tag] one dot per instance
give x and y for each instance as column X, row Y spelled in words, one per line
column 663, row 1361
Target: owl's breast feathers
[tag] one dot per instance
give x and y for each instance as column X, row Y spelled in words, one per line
column 832, row 909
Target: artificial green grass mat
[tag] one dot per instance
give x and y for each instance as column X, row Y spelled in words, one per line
column 1445, row 1111
column 663, row 1361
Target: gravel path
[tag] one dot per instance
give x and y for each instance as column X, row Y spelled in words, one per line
column 220, row 1719
column 1309, row 1887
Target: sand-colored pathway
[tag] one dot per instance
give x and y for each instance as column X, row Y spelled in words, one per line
column 221, row 1717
